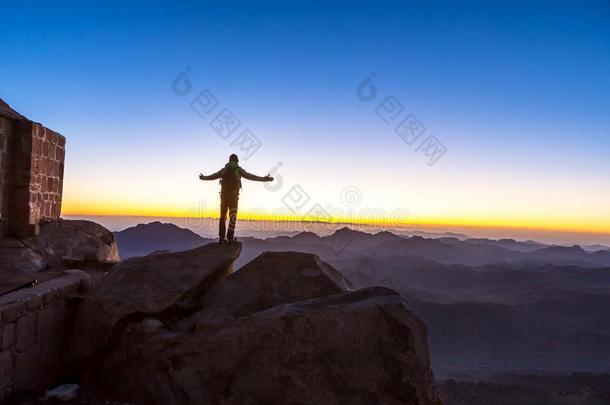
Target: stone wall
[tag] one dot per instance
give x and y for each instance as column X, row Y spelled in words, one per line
column 38, row 178
column 46, row 185
column 31, row 176
column 6, row 129
column 33, row 331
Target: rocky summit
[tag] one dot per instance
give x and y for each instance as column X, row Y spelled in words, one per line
column 185, row 328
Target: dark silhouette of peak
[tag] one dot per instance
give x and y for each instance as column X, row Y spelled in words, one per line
column 345, row 231
column 143, row 239
column 156, row 225
column 353, row 234
column 154, row 229
column 347, row 239
column 346, row 235
column 306, row 236
column 386, row 235
column 301, row 237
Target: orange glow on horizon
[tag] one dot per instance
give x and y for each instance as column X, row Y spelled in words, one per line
column 573, row 225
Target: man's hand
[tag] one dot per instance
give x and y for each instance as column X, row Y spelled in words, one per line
column 268, row 178
column 201, row 176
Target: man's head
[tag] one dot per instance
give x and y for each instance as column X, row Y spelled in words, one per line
column 233, row 158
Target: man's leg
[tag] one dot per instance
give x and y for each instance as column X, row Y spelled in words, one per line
column 224, row 206
column 232, row 218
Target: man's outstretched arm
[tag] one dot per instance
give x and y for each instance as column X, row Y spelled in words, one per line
column 253, row 177
column 214, row 176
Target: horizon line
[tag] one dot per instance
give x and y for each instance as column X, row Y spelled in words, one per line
column 367, row 223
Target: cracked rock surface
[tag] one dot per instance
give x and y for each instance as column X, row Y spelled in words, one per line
column 181, row 328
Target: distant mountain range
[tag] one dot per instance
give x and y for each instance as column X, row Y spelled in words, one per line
column 144, row 239
column 502, row 304
column 346, row 242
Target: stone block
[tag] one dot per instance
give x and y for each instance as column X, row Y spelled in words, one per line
column 6, row 383
column 36, row 146
column 69, row 289
column 11, row 312
column 7, row 370
column 5, row 164
column 6, row 126
column 8, row 336
column 25, row 146
column 30, row 370
column 6, row 363
column 34, row 303
column 46, row 324
column 50, row 297
column 26, row 332
column 61, row 314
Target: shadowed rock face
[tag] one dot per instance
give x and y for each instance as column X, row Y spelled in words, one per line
column 178, row 328
column 15, row 257
column 16, row 265
column 361, row 347
column 166, row 285
column 271, row 279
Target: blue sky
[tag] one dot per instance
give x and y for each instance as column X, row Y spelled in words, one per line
column 516, row 91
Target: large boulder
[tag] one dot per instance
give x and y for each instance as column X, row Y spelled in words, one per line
column 167, row 286
column 65, row 243
column 271, row 279
column 361, row 347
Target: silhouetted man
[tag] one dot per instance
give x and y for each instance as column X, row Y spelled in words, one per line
column 230, row 180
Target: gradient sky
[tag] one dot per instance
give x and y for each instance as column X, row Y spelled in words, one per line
column 518, row 92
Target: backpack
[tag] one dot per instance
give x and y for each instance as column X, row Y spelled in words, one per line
column 230, row 180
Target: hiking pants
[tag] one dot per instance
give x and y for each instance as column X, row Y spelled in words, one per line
column 228, row 203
